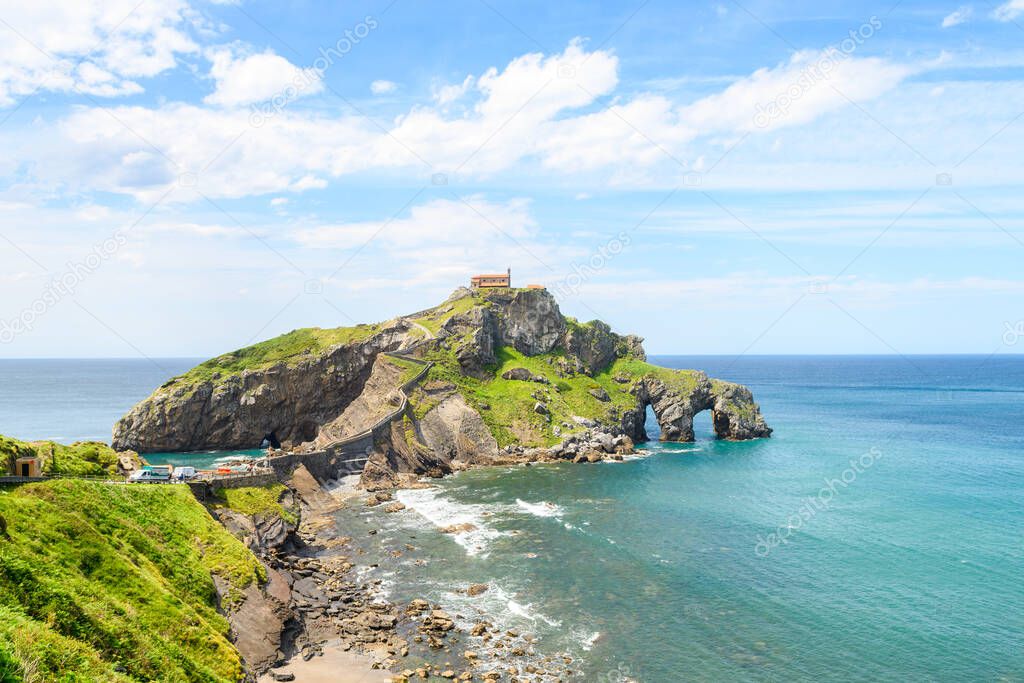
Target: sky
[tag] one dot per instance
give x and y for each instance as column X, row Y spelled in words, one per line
column 180, row 178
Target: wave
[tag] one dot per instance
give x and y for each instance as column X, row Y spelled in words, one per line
column 471, row 531
column 586, row 640
column 541, row 509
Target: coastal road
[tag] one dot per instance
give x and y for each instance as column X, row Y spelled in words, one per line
column 427, row 332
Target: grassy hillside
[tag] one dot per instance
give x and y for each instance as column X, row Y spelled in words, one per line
column 83, row 458
column 107, row 582
column 434, row 318
column 510, row 404
column 255, row 500
column 290, row 347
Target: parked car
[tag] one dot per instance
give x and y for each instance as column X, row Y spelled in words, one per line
column 149, row 477
column 184, row 473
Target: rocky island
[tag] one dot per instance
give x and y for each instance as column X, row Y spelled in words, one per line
column 508, row 378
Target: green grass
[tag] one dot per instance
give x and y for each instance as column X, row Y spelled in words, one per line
column 288, row 348
column 12, row 449
column 89, row 458
column 256, row 500
column 682, row 381
column 511, row 418
column 96, row 576
column 408, row 367
column 409, row 434
column 31, row 651
column 437, row 317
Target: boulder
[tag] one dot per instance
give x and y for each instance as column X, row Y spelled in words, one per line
column 417, row 606
column 520, row 374
column 600, row 394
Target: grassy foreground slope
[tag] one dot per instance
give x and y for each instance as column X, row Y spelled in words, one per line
column 107, row 582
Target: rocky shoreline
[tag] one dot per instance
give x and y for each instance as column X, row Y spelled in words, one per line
column 322, row 603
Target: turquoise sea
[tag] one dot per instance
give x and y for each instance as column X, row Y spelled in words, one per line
column 878, row 536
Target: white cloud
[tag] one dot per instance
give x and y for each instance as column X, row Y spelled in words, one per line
column 958, row 17
column 98, row 47
column 195, row 229
column 439, row 242
column 548, row 111
column 243, row 79
column 383, row 87
column 810, row 84
column 447, row 94
column 1009, row 11
column 435, row 223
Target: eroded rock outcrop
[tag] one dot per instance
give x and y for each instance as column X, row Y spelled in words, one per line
column 734, row 414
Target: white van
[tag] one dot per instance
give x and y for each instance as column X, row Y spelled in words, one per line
column 149, row 477
column 184, row 473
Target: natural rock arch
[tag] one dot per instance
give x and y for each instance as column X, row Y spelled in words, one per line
column 734, row 414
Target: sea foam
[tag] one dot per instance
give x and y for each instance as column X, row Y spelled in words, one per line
column 541, row 509
column 443, row 512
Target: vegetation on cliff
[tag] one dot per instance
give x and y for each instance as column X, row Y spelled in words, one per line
column 106, row 582
column 90, row 458
column 434, row 318
column 255, row 500
column 509, row 406
column 287, row 348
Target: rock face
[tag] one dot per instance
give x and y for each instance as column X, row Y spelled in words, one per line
column 311, row 399
column 377, row 398
column 263, row 612
column 289, row 401
column 596, row 346
column 529, row 320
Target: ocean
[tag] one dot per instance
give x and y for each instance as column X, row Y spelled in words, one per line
column 878, row 536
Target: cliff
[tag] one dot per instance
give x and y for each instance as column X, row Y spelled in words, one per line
column 509, row 373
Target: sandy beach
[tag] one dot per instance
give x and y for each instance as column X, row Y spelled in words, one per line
column 334, row 666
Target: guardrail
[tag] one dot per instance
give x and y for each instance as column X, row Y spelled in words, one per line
column 16, row 479
column 341, row 443
column 327, row 458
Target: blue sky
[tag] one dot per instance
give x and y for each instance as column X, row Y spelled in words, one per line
column 185, row 177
